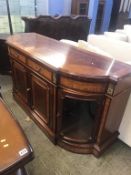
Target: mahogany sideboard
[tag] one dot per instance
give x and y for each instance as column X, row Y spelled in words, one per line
column 75, row 96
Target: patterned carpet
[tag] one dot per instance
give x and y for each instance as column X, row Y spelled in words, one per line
column 53, row 160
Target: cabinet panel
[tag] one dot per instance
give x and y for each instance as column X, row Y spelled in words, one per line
column 40, row 98
column 78, row 118
column 20, row 81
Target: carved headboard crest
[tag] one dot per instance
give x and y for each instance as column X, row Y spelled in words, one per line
column 59, row 27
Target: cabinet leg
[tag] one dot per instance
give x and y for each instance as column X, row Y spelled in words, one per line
column 21, row 171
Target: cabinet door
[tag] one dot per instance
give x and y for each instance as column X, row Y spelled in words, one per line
column 78, row 116
column 20, row 81
column 79, row 7
column 40, row 98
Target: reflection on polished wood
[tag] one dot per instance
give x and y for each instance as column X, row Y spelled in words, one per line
column 15, row 151
column 76, row 97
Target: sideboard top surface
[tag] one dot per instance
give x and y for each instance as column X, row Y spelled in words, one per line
column 68, row 59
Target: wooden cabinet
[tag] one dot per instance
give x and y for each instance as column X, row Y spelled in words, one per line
column 79, row 7
column 34, row 91
column 75, row 96
column 20, row 81
column 42, row 95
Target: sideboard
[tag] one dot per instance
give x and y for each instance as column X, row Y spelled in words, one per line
column 75, row 96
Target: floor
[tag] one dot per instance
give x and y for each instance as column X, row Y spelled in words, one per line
column 53, row 160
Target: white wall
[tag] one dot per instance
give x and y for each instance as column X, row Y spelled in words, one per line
column 26, row 7
column 67, row 7
column 42, row 7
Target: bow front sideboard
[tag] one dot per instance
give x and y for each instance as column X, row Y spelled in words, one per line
column 75, row 96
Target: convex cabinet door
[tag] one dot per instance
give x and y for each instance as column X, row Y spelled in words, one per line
column 78, row 116
column 20, row 81
column 40, row 98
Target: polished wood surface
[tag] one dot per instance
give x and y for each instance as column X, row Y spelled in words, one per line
column 67, row 59
column 79, row 7
column 75, row 96
column 15, row 150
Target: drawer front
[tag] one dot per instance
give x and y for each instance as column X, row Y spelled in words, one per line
column 40, row 69
column 33, row 65
column 83, row 86
column 16, row 55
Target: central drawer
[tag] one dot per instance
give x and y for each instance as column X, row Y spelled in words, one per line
column 84, row 86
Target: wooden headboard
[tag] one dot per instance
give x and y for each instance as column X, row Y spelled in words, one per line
column 60, row 27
